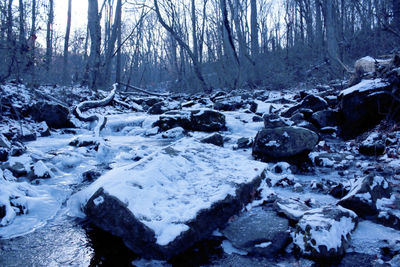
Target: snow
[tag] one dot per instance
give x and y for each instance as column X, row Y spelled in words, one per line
column 324, row 230
column 230, row 249
column 365, row 85
column 169, row 187
column 272, row 143
column 263, row 245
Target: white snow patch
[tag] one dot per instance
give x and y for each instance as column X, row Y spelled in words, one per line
column 365, row 85
column 230, row 249
column 263, row 245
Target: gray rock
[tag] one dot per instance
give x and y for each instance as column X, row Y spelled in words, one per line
column 284, row 143
column 244, row 142
column 259, row 231
column 324, row 233
column 355, row 259
column 364, row 193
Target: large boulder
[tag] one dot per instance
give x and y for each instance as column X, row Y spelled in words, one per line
column 363, row 105
column 172, row 199
column 364, row 194
column 260, row 232
column 55, row 115
column 315, row 103
column 196, row 120
column 284, row 143
column 291, row 208
column 324, row 233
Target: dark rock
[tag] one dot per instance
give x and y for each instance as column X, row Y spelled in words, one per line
column 297, row 118
column 83, row 142
column 354, row 259
column 388, row 218
column 195, row 120
column 338, row 191
column 207, row 121
column 364, row 193
column 4, row 143
column 257, row 118
column 90, row 176
column 325, row 118
column 315, row 103
column 55, row 115
column 274, row 121
column 260, row 232
column 363, row 105
column 244, row 142
column 252, row 106
column 157, row 109
column 150, row 101
column 372, row 149
column 228, row 105
column 3, row 154
column 215, row 139
column 17, row 149
column 2, row 211
column 188, row 104
column 217, row 95
column 284, row 143
column 324, row 233
column 27, row 135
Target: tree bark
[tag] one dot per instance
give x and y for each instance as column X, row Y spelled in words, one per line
column 66, row 44
column 95, row 42
column 396, row 14
column 254, row 30
column 49, row 35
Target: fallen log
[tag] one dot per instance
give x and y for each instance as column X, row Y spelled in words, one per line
column 142, row 90
column 86, row 105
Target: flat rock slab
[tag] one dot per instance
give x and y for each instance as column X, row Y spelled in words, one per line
column 175, row 197
column 259, row 231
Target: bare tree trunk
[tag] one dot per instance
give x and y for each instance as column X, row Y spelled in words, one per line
column 119, row 30
column 22, row 42
column 194, row 35
column 318, row 27
column 49, row 35
column 331, row 42
column 111, row 44
column 254, row 30
column 66, row 43
column 32, row 38
column 95, row 42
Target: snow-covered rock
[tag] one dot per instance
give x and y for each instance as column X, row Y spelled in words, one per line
column 362, row 106
column 284, row 143
column 259, row 231
column 324, row 233
column 175, row 197
column 292, row 208
column 274, row 121
column 364, row 194
column 313, row 102
column 4, row 143
column 196, row 120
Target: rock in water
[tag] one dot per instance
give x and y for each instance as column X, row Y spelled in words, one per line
column 324, row 233
column 364, row 193
column 196, row 120
column 166, row 202
column 284, row 143
column 259, row 231
column 363, row 105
